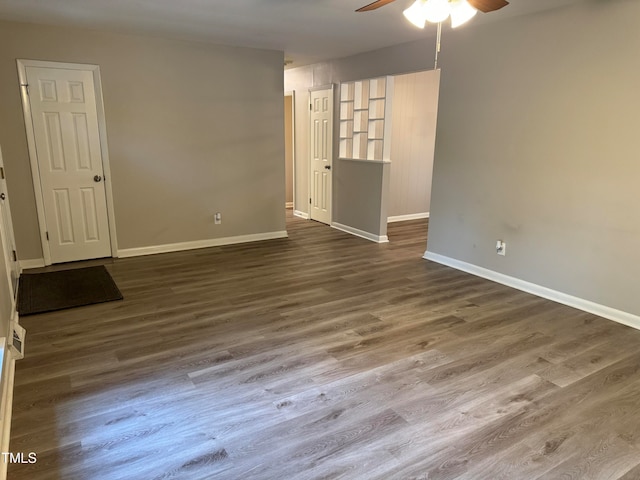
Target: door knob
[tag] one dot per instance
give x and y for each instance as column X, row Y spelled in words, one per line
column 3, row 196
column 328, row 167
column 97, row 178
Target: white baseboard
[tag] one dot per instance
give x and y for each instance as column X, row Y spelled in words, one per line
column 619, row 316
column 32, row 263
column 288, row 205
column 213, row 242
column 360, row 233
column 411, row 216
column 300, row 214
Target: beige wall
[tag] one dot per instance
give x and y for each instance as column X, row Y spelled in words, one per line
column 193, row 129
column 537, row 144
column 413, row 136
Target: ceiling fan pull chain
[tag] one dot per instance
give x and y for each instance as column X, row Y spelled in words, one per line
column 438, row 37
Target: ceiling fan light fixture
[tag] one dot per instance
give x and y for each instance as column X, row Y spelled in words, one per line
column 436, row 11
column 415, row 14
column 461, row 12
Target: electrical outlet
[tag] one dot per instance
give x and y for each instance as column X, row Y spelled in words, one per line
column 217, row 218
column 501, row 248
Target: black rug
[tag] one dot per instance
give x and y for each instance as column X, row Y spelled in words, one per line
column 49, row 291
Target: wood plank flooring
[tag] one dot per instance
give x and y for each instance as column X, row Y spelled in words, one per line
column 324, row 356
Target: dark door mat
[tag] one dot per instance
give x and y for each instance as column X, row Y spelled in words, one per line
column 49, row 291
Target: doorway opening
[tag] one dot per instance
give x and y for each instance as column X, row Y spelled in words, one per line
column 413, row 133
column 289, row 149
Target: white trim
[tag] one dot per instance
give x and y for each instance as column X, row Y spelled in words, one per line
column 8, row 370
column 213, row 242
column 411, row 216
column 300, row 214
column 360, row 233
column 619, row 316
column 288, row 205
column 7, row 380
column 33, row 155
column 31, row 263
column 364, row 160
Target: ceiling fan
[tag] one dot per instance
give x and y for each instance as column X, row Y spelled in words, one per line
column 437, row 11
column 482, row 5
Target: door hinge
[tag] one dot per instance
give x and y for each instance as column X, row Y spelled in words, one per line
column 26, row 87
column 47, row 233
column 2, row 173
column 15, row 255
column 310, row 106
column 309, row 201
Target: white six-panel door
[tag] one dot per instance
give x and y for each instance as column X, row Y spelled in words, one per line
column 321, row 142
column 66, row 134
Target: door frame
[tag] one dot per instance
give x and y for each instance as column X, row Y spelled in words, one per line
column 330, row 86
column 33, row 154
column 9, row 236
column 292, row 94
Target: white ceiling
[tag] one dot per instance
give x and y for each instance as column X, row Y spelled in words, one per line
column 307, row 30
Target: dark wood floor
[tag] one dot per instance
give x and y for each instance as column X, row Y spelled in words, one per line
column 324, row 356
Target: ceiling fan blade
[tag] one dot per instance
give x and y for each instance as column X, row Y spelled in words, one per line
column 374, row 5
column 488, row 5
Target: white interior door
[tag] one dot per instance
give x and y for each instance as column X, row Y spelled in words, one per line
column 8, row 240
column 321, row 140
column 64, row 116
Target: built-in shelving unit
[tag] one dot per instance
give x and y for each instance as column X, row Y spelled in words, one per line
column 365, row 119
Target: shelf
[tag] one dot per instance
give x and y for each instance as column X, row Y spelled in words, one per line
column 346, row 128
column 346, row 147
column 375, row 149
column 359, row 145
column 363, row 160
column 361, row 94
column 346, row 92
column 363, row 120
column 376, row 109
column 376, row 128
column 346, row 111
column 377, row 88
